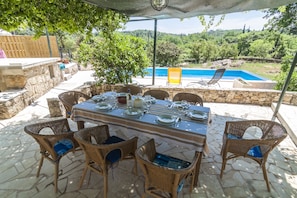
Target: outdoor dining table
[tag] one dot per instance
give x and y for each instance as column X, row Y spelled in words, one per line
column 185, row 130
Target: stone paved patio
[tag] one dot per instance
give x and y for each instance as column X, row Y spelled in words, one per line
column 242, row 178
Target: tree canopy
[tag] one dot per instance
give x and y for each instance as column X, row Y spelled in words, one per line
column 66, row 15
column 283, row 18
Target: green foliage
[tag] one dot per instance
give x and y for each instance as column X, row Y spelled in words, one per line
column 281, row 78
column 203, row 51
column 260, row 48
column 66, row 15
column 167, row 53
column 228, row 51
column 283, row 18
column 115, row 59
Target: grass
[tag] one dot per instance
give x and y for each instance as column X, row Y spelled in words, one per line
column 266, row 70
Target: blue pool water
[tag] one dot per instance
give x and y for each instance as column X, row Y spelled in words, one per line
column 206, row 73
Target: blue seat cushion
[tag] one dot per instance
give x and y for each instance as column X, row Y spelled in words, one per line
column 114, row 155
column 170, row 162
column 62, row 146
column 255, row 151
column 233, row 137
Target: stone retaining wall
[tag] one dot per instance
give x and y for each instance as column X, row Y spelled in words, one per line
column 263, row 97
column 35, row 82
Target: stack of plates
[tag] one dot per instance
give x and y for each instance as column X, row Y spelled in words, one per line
column 133, row 112
column 197, row 115
column 99, row 98
column 151, row 99
column 103, row 106
column 180, row 104
column 166, row 119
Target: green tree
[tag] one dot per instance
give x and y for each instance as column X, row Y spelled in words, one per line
column 283, row 18
column 115, row 59
column 66, row 15
column 167, row 53
column 260, row 48
column 281, row 78
column 227, row 50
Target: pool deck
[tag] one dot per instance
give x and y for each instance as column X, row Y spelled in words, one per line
column 242, row 177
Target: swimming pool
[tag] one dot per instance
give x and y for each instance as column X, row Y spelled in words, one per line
column 207, row 73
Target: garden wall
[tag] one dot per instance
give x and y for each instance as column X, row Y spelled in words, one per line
column 24, row 84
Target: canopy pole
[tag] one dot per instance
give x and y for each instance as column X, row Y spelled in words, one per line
column 285, row 87
column 154, row 55
column 48, row 43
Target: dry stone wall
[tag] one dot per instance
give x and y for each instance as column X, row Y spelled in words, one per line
column 30, row 83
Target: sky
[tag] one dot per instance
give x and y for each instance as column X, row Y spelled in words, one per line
column 252, row 19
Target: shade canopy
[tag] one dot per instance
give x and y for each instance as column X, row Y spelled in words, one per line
column 186, row 8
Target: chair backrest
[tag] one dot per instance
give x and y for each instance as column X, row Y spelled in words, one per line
column 174, row 75
column 133, row 89
column 160, row 178
column 272, row 133
column 49, row 135
column 93, row 142
column 217, row 76
column 189, row 97
column 71, row 98
column 157, row 93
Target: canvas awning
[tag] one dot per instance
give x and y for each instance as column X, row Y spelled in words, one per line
column 186, row 8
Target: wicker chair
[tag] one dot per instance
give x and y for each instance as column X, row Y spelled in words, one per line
column 102, row 150
column 158, row 94
column 164, row 175
column 133, row 89
column 71, row 98
column 189, row 97
column 237, row 143
column 55, row 140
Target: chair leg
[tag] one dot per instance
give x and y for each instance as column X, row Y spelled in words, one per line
column 223, row 167
column 224, row 155
column 265, row 176
column 135, row 167
column 56, row 176
column 40, row 165
column 83, row 176
column 105, row 175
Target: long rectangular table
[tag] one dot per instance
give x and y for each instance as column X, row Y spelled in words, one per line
column 185, row 131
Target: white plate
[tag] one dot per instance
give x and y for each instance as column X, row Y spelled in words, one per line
column 166, row 119
column 198, row 115
column 103, row 106
column 132, row 112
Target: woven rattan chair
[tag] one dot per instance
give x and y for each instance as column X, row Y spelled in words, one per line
column 236, row 141
column 189, row 97
column 71, row 98
column 164, row 175
column 133, row 89
column 55, row 140
column 102, row 150
column 158, row 94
